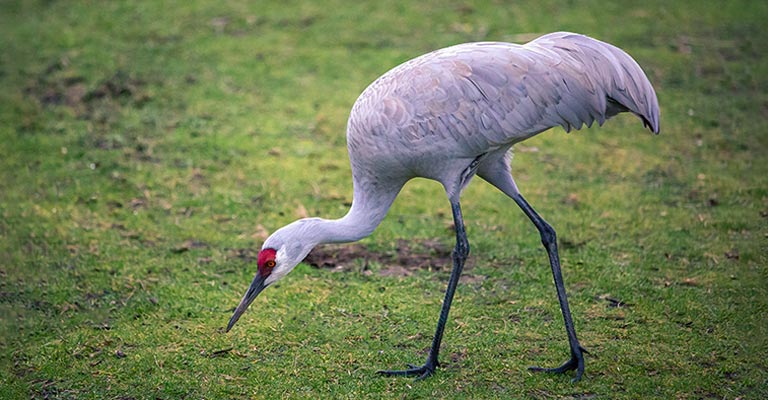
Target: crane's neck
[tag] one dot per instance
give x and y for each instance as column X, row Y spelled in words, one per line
column 369, row 207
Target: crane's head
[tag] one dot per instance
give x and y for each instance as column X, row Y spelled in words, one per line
column 279, row 255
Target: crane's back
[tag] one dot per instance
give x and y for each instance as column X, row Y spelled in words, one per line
column 463, row 100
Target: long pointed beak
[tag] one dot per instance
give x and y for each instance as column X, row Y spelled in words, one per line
column 256, row 287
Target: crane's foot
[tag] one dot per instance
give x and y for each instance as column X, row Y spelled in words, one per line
column 421, row 372
column 575, row 363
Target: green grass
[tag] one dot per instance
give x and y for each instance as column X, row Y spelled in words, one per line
column 145, row 147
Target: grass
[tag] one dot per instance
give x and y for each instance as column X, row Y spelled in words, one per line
column 147, row 147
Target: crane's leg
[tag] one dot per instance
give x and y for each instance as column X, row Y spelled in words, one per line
column 497, row 174
column 549, row 240
column 459, row 255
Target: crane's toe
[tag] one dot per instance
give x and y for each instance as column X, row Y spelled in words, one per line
column 575, row 363
column 420, row 372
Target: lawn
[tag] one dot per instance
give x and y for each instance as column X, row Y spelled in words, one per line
column 148, row 148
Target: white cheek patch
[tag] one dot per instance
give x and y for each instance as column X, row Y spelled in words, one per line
column 277, row 273
column 283, row 267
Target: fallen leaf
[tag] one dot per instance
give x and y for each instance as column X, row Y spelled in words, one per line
column 219, row 353
column 261, row 233
column 689, row 282
column 188, row 245
column 301, row 211
column 394, row 270
column 733, row 254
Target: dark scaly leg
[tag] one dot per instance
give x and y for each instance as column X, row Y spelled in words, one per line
column 460, row 253
column 549, row 240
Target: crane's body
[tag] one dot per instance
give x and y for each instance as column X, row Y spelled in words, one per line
column 462, row 101
column 455, row 113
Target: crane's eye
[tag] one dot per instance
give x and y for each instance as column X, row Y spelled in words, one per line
column 266, row 261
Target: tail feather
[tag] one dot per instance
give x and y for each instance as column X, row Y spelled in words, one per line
column 624, row 85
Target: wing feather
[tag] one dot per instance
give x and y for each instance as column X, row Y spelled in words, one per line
column 480, row 95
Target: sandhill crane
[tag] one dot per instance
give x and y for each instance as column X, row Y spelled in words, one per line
column 455, row 113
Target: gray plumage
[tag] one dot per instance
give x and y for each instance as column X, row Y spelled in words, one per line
column 456, row 103
column 452, row 114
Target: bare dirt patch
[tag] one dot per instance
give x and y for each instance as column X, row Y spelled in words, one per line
column 408, row 257
column 59, row 84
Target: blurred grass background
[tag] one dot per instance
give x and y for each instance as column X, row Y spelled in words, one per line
column 147, row 148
